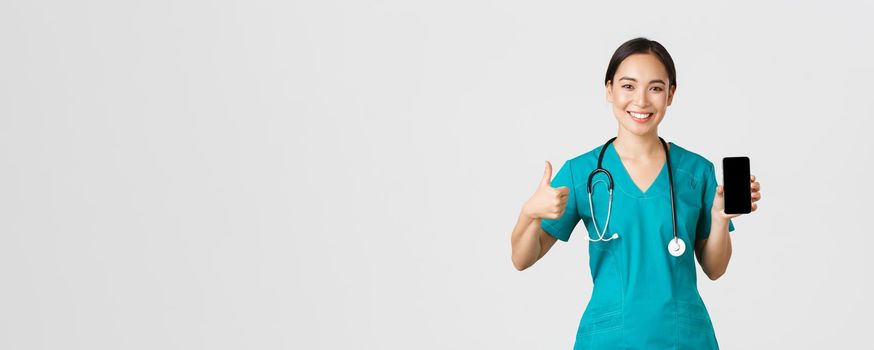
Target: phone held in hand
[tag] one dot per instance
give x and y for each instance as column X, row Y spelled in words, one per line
column 736, row 183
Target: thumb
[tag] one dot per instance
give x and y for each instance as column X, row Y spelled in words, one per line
column 547, row 175
column 719, row 191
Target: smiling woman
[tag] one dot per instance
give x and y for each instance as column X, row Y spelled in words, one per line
column 645, row 292
column 645, row 87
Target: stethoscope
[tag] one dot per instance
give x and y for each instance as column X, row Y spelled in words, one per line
column 676, row 246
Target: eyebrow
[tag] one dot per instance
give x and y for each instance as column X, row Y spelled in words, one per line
column 651, row 81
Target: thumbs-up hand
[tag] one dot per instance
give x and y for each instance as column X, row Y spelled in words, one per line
column 546, row 202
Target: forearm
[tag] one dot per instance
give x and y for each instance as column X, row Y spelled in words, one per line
column 716, row 252
column 525, row 242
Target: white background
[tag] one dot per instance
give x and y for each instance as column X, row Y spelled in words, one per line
column 346, row 174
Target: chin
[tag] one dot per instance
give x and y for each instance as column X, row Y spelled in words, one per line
column 641, row 133
column 640, row 130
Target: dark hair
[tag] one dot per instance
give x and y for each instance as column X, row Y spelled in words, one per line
column 641, row 45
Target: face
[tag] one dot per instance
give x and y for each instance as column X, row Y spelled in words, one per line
column 640, row 93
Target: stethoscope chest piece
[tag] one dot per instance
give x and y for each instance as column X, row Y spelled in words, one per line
column 676, row 246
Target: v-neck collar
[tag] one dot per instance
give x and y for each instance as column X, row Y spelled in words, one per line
column 623, row 179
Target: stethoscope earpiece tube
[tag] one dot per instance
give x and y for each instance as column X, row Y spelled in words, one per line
column 595, row 172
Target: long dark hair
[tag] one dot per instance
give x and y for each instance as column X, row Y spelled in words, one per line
column 641, row 45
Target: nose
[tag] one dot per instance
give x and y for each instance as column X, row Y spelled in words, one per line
column 640, row 98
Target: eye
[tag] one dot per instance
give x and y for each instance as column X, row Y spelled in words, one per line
column 657, row 88
column 627, row 86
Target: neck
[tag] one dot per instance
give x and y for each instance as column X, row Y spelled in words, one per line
column 637, row 146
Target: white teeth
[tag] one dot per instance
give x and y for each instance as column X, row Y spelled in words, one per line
column 639, row 115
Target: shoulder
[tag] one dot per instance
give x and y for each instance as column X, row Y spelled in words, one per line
column 689, row 158
column 576, row 169
column 690, row 163
column 585, row 161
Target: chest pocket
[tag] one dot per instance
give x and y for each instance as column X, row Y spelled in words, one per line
column 689, row 202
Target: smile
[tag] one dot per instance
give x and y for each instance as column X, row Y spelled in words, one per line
column 640, row 116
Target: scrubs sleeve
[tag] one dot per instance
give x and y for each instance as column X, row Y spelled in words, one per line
column 562, row 227
column 704, row 218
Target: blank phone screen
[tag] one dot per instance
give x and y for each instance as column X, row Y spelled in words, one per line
column 736, row 182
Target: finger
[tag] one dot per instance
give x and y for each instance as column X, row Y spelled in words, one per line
column 755, row 206
column 756, row 196
column 755, row 187
column 719, row 190
column 547, row 175
column 752, row 178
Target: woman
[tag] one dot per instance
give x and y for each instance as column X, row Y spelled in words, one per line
column 645, row 292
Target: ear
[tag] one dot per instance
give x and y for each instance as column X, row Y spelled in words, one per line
column 671, row 94
column 609, row 88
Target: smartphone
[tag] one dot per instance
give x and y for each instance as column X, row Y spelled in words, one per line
column 736, row 183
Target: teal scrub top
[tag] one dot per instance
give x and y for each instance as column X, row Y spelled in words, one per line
column 643, row 297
